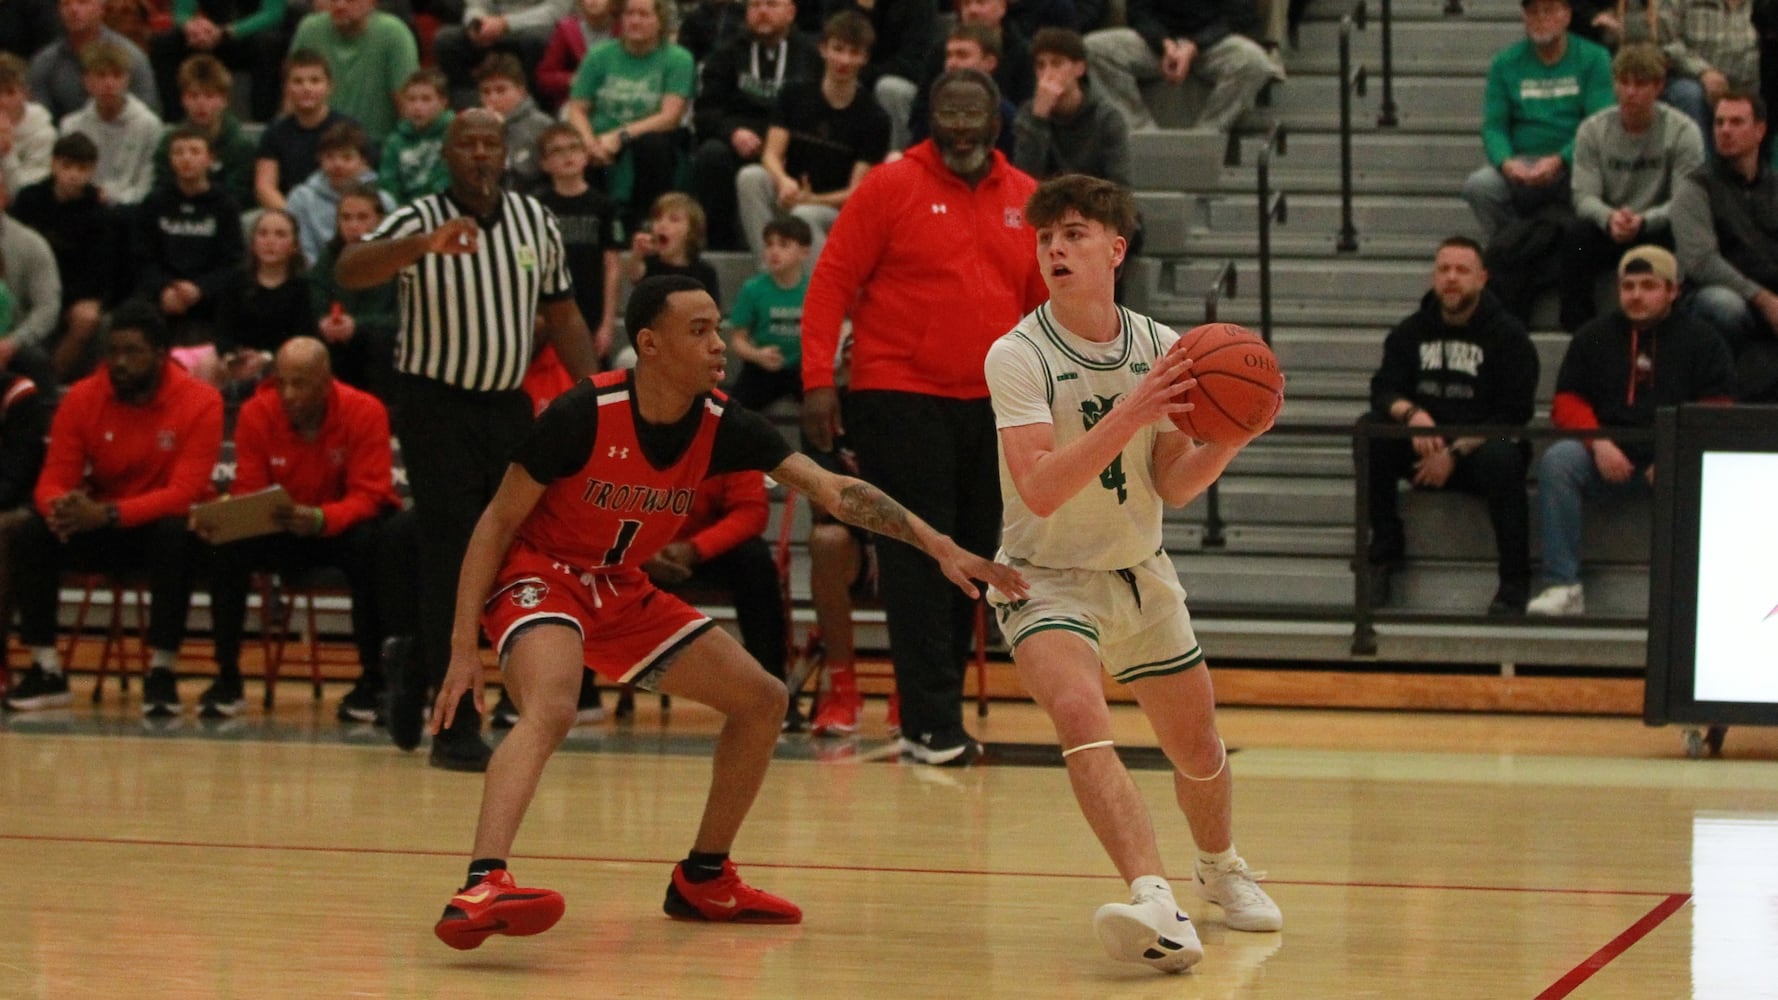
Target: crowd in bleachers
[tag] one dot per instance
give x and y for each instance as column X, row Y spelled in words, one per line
column 208, row 159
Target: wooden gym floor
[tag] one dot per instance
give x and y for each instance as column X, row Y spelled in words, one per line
column 1414, row 855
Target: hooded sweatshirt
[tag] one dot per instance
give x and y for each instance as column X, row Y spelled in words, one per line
column 316, row 206
column 1616, row 374
column 1484, row 372
column 187, row 237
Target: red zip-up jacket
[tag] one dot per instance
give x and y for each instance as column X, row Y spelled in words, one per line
column 931, row 272
column 345, row 471
column 153, row 461
column 727, row 510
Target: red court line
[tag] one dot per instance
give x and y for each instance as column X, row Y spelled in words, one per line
column 1615, row 947
column 789, row 866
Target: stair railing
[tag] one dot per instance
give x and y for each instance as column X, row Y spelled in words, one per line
column 1272, row 206
column 1351, row 79
column 1224, row 282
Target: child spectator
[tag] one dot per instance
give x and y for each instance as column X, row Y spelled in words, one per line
column 315, row 203
column 65, row 208
column 501, row 79
column 204, row 89
column 26, row 129
column 247, row 35
column 413, row 158
column 627, row 101
column 117, row 121
column 822, row 138
column 188, row 240
column 672, row 243
column 590, row 24
column 590, row 231
column 765, row 323
column 370, row 53
column 287, row 151
column 358, row 325
column 264, row 304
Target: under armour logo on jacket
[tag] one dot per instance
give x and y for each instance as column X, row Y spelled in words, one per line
column 617, row 452
column 938, row 208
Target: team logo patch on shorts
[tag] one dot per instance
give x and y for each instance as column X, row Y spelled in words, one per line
column 529, row 595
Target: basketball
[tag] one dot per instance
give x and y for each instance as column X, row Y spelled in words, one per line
column 1240, row 386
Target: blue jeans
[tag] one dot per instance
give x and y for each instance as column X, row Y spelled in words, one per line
column 1498, row 202
column 1566, row 475
column 1728, row 314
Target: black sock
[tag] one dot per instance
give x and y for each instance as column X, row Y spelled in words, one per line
column 229, row 675
column 702, row 867
column 481, row 868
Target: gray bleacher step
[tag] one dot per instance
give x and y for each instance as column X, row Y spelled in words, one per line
column 1339, row 280
column 1280, row 500
column 1286, row 540
column 1263, row 458
column 1226, row 212
column 1175, row 159
column 1313, row 383
column 1420, row 10
column 1379, row 151
column 1216, row 578
column 1294, row 241
column 1421, row 47
column 1183, row 311
column 1458, row 588
column 1443, row 103
column 1324, row 178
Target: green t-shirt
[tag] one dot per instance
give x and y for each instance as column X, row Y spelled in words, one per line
column 367, row 70
column 772, row 316
column 624, row 88
column 5, row 308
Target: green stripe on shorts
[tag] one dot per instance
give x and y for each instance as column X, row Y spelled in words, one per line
column 1161, row 668
column 1060, row 624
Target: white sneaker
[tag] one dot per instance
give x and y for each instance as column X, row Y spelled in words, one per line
column 1244, row 904
column 1561, row 599
column 1149, row 929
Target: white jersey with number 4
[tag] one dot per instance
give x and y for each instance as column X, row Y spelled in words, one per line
column 1040, row 373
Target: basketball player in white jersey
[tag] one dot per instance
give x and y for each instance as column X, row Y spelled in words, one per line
column 1083, row 391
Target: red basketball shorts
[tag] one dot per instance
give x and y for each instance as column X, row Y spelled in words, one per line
column 630, row 630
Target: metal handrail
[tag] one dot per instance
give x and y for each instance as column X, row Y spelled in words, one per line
column 1351, row 79
column 1386, row 116
column 1364, row 617
column 1271, row 206
column 1227, row 277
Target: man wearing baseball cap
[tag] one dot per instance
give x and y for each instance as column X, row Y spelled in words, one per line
column 1619, row 369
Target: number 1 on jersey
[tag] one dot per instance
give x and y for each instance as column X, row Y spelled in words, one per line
column 626, row 533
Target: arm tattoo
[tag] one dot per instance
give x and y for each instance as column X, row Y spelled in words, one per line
column 870, row 508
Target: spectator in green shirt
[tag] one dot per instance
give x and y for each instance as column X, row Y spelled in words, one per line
column 1539, row 90
column 371, row 55
column 627, row 100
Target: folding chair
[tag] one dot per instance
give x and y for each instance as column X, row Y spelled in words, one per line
column 115, row 633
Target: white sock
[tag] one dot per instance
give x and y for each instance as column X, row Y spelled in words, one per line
column 162, row 659
column 1220, row 860
column 48, row 658
column 1150, row 884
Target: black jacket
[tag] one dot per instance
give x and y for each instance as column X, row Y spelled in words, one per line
column 82, row 234
column 905, row 31
column 1481, row 373
column 1686, row 361
column 731, row 96
column 195, row 238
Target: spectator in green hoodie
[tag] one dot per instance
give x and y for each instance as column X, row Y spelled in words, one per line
column 413, row 156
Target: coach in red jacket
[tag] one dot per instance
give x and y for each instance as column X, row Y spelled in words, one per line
column 327, row 444
column 932, row 261
column 131, row 448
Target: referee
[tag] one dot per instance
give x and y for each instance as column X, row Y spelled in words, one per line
column 478, row 265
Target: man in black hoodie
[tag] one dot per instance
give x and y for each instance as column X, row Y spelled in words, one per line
column 1461, row 359
column 1618, row 370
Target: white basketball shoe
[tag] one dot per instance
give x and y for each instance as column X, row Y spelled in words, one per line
column 1150, row 929
column 1244, row 904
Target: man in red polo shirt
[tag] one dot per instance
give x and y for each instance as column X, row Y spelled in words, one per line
column 131, row 449
column 327, row 444
column 931, row 260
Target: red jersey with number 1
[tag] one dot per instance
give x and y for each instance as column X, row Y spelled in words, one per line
column 619, row 509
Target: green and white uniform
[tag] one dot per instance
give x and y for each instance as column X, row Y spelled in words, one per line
column 1095, row 566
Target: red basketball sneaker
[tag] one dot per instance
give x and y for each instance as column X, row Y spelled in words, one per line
column 496, row 906
column 726, row 899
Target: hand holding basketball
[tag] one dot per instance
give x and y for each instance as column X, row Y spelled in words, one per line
column 1238, row 387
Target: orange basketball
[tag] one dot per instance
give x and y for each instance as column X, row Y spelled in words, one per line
column 1240, row 386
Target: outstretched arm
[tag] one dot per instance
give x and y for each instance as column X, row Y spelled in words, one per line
column 855, row 501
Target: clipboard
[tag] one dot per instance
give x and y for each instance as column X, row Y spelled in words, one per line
column 250, row 515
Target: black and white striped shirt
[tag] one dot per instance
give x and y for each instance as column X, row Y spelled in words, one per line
column 469, row 320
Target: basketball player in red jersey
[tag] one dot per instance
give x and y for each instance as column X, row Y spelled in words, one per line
column 553, row 574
